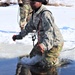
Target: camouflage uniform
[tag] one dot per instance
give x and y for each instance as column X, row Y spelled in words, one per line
column 51, row 71
column 25, row 12
column 49, row 37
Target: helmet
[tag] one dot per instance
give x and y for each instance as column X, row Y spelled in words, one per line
column 43, row 1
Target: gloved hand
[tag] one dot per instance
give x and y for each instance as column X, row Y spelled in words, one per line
column 15, row 37
column 40, row 48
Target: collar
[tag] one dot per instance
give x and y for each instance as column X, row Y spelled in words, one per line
column 39, row 10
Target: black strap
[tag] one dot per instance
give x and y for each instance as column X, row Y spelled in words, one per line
column 41, row 15
column 44, row 11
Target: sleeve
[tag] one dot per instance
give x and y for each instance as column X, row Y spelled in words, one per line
column 47, row 22
column 28, row 29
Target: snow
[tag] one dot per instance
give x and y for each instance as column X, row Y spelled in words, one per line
column 68, row 2
column 9, row 25
column 8, row 0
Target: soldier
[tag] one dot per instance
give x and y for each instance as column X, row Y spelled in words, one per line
column 50, row 41
column 25, row 12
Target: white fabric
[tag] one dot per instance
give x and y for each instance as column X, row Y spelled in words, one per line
column 31, row 61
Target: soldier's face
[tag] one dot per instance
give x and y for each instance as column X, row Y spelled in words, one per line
column 35, row 5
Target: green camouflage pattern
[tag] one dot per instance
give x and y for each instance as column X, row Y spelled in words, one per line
column 24, row 1
column 22, row 70
column 50, row 36
column 25, row 13
column 52, row 55
column 51, row 71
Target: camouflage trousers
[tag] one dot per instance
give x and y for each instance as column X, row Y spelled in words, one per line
column 25, row 14
column 51, row 71
column 50, row 67
column 51, row 56
column 22, row 70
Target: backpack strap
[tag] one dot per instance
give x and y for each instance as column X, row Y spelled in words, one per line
column 41, row 15
column 39, row 25
column 44, row 11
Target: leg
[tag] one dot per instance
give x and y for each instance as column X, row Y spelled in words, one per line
column 18, row 70
column 22, row 70
column 51, row 71
column 25, row 71
column 52, row 55
column 24, row 15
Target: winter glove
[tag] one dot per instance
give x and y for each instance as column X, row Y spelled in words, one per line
column 16, row 37
column 40, row 48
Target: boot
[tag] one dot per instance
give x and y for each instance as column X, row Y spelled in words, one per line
column 18, row 70
column 25, row 71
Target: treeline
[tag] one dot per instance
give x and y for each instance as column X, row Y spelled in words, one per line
column 7, row 2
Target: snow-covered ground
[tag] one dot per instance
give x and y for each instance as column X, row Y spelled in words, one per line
column 69, row 2
column 9, row 25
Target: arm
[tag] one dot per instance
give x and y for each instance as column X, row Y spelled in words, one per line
column 48, row 35
column 24, row 32
column 28, row 29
